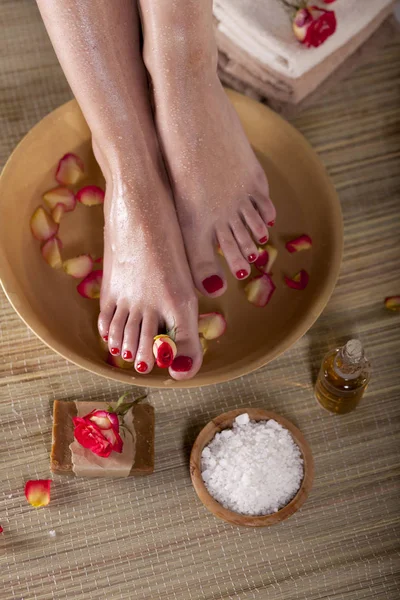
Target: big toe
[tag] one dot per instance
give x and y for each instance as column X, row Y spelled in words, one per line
column 189, row 351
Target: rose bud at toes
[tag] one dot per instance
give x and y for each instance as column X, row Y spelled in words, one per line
column 164, row 350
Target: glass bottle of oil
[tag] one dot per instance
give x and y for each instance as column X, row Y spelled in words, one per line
column 343, row 378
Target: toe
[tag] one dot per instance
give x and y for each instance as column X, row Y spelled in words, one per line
column 131, row 337
column 104, row 320
column 190, row 354
column 255, row 222
column 206, row 271
column 233, row 255
column 266, row 208
column 244, row 240
column 116, row 333
column 144, row 361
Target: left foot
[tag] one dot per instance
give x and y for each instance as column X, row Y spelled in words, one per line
column 220, row 189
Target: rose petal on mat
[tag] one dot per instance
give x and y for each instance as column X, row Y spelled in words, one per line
column 299, row 281
column 51, row 252
column 266, row 258
column 212, row 325
column 70, row 169
column 164, row 350
column 303, row 242
column 90, row 195
column 117, row 361
column 42, row 225
column 259, row 290
column 1, row 529
column 78, row 267
column 204, row 345
column 37, row 492
column 392, row 302
column 91, row 285
column 60, row 195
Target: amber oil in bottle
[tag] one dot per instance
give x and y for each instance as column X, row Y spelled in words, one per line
column 343, row 378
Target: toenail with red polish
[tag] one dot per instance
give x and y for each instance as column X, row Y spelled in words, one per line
column 141, row 367
column 127, row 355
column 182, row 364
column 252, row 258
column 105, row 338
column 241, row 274
column 264, row 240
column 271, row 223
column 213, row 284
column 114, row 351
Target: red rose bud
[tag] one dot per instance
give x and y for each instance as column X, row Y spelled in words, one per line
column 164, row 350
column 99, row 432
column 38, row 492
column 313, row 25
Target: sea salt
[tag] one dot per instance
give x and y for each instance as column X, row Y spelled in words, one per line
column 255, row 468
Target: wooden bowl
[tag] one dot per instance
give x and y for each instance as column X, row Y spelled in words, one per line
column 225, row 421
column 47, row 300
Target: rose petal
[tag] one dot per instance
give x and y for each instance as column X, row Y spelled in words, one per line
column 1, row 529
column 204, row 345
column 299, row 281
column 57, row 213
column 392, row 302
column 60, row 195
column 70, row 169
column 212, row 325
column 259, row 290
column 91, row 195
column 42, row 225
column 51, row 252
column 266, row 258
column 303, row 242
column 78, row 267
column 37, row 492
column 90, row 287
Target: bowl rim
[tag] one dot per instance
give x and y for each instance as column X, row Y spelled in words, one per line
column 222, row 422
column 9, row 282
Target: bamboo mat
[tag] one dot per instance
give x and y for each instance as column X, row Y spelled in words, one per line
column 151, row 538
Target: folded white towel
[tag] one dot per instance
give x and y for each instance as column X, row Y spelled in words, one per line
column 263, row 29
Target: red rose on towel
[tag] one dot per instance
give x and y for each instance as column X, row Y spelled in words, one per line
column 99, row 432
column 313, row 25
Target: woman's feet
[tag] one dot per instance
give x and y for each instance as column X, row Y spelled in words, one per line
column 147, row 286
column 220, row 190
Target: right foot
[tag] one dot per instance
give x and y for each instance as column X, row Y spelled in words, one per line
column 147, row 286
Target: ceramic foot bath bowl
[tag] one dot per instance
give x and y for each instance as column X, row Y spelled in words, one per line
column 47, row 301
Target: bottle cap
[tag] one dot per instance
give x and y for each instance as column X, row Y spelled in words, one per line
column 354, row 351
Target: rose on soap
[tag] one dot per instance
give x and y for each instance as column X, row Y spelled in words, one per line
column 99, row 432
column 313, row 25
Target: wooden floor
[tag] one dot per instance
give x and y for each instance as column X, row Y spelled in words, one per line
column 151, row 539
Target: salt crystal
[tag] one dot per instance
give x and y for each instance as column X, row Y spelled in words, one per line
column 254, row 470
column 242, row 419
column 52, row 533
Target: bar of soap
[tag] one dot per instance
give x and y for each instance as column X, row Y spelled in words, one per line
column 63, row 436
